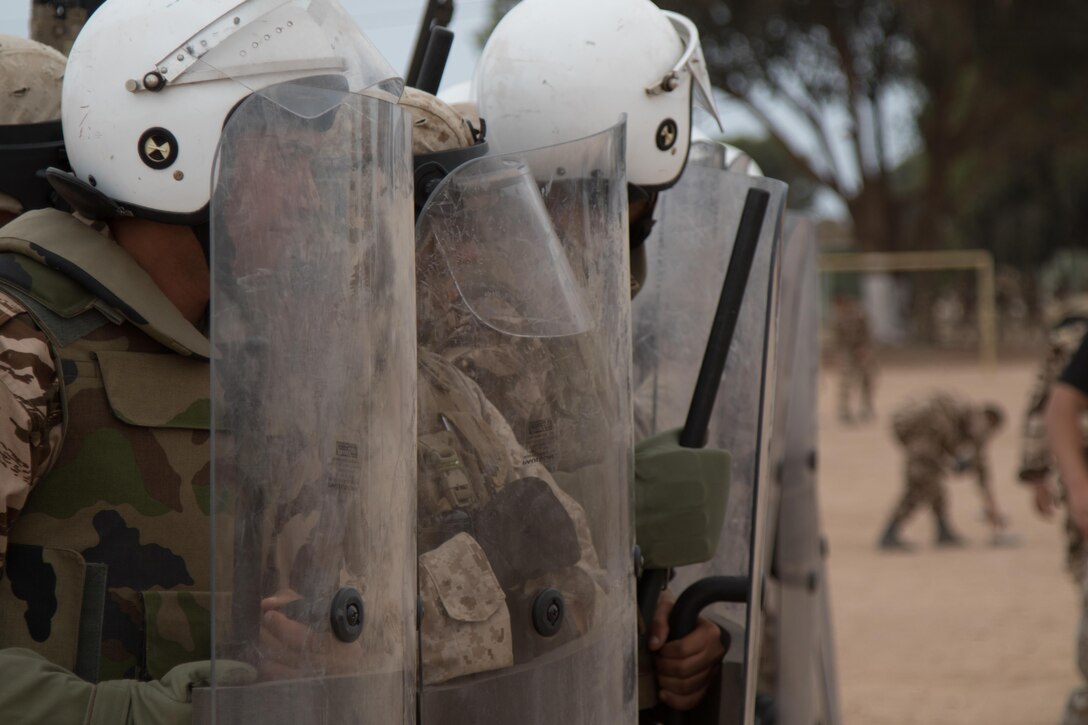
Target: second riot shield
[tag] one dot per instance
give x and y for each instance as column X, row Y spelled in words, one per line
column 312, row 479
column 688, row 255
column 798, row 665
column 524, row 442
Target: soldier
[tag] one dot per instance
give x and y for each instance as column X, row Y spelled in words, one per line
column 534, row 70
column 854, row 352
column 30, row 134
column 1066, row 336
column 508, row 555
column 940, row 434
column 109, row 491
column 58, row 22
column 1069, row 325
column 484, row 502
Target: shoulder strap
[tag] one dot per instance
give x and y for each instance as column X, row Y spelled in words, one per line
column 69, row 268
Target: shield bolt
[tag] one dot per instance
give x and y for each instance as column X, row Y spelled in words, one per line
column 548, row 610
column 347, row 614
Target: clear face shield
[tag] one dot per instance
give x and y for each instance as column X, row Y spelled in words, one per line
column 312, row 408
column 688, row 254
column 523, row 506
column 490, row 227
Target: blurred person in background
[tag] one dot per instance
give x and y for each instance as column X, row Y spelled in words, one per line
column 1065, row 411
column 942, row 434
column 854, row 356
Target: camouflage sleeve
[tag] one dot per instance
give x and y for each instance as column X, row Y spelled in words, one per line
column 528, row 465
column 1034, row 452
column 30, row 410
column 1035, row 461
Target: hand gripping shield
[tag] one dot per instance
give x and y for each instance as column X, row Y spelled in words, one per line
column 688, row 254
column 524, row 534
column 313, row 409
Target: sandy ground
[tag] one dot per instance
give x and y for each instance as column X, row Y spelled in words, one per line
column 980, row 635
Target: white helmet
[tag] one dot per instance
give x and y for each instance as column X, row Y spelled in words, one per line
column 557, row 70
column 150, row 83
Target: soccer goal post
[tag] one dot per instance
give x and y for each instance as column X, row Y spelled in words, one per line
column 978, row 260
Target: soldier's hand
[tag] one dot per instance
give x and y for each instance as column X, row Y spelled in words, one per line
column 997, row 519
column 685, row 667
column 291, row 650
column 1045, row 500
column 1077, row 495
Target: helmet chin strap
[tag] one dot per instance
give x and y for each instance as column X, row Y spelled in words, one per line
column 641, row 226
column 82, row 197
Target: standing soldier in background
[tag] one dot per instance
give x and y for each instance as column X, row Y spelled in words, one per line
column 58, row 22
column 941, row 434
column 1069, row 324
column 854, row 352
column 30, row 129
column 1055, row 424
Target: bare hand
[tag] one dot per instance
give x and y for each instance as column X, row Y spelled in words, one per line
column 684, row 667
column 997, row 519
column 1077, row 495
column 1045, row 500
column 291, row 650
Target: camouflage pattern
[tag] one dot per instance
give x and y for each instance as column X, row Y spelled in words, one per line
column 936, row 433
column 853, row 350
column 128, row 486
column 57, row 22
column 1076, row 707
column 435, row 126
column 30, row 81
column 469, row 458
column 1036, row 464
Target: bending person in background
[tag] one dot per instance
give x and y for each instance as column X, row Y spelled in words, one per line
column 941, row 435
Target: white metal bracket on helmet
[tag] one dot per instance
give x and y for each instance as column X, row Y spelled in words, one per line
column 691, row 63
column 180, row 61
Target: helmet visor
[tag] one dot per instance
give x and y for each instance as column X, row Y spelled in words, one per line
column 259, row 42
column 692, row 62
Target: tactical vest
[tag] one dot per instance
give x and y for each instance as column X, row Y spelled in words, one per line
column 461, row 462
column 108, row 563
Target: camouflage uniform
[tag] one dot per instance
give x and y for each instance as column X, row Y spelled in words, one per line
column 105, row 515
column 853, row 346
column 481, row 497
column 1035, row 460
column 1036, row 467
column 937, row 433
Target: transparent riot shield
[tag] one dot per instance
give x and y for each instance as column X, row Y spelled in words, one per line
column 688, row 254
column 524, row 533
column 800, row 666
column 312, row 474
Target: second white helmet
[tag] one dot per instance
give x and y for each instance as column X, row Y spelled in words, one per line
column 557, row 70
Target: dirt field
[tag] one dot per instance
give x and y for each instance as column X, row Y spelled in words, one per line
column 980, row 635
